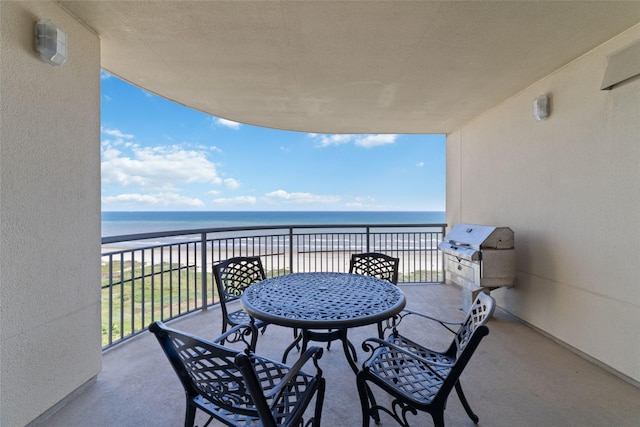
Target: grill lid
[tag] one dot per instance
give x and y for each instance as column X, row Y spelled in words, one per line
column 469, row 235
column 466, row 240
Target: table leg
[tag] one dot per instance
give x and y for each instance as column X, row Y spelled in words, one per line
column 349, row 350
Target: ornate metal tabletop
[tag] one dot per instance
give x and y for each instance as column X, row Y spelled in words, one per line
column 323, row 300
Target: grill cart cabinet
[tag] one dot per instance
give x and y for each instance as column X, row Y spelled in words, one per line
column 479, row 258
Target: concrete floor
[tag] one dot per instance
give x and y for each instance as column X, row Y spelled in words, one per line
column 517, row 377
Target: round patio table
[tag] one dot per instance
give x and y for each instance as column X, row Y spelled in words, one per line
column 333, row 302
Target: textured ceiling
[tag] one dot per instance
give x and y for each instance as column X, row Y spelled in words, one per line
column 346, row 66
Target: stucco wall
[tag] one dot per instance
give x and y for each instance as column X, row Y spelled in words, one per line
column 569, row 187
column 49, row 214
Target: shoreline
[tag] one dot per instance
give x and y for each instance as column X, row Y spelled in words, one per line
column 302, row 261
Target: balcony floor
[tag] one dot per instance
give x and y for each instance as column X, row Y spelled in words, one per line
column 517, row 377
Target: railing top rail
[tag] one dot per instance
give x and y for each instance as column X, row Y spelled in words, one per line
column 155, row 235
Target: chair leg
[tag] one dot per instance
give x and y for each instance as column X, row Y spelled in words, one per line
column 190, row 416
column 366, row 401
column 438, row 418
column 465, row 404
column 319, row 401
column 224, row 329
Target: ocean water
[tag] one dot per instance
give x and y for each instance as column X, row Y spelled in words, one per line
column 122, row 223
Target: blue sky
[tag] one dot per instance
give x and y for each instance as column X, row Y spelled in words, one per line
column 157, row 155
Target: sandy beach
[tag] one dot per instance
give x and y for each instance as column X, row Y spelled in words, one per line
column 191, row 255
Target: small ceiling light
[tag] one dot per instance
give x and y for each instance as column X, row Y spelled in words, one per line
column 541, row 108
column 51, row 42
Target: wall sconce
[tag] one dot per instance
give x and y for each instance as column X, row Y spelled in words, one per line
column 51, row 42
column 540, row 108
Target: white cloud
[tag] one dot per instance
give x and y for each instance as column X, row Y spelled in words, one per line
column 335, row 139
column 234, row 201
column 109, row 153
column 157, row 167
column 104, row 75
column 231, row 183
column 365, row 199
column 116, row 133
column 300, row 198
column 366, row 141
column 362, row 202
column 226, row 123
column 420, row 164
column 155, row 200
column 114, row 138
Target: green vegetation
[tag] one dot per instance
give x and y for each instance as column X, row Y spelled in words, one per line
column 422, row 276
column 139, row 294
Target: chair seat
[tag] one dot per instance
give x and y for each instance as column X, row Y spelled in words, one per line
column 415, row 348
column 417, row 381
column 240, row 317
column 269, row 373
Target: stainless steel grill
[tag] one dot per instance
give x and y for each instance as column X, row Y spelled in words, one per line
column 479, row 258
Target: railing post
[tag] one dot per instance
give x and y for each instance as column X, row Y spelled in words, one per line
column 291, row 249
column 203, row 254
column 368, row 237
column 443, row 230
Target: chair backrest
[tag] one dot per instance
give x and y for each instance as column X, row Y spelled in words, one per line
column 206, row 369
column 375, row 264
column 234, row 275
column 478, row 315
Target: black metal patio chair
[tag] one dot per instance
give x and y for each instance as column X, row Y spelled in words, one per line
column 375, row 264
column 416, row 377
column 240, row 388
column 232, row 277
column 378, row 265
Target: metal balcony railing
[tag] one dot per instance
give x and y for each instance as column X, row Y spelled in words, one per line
column 163, row 275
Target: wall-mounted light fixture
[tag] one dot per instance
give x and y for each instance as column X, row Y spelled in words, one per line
column 51, row 42
column 541, row 108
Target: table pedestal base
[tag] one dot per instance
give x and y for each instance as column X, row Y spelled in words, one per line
column 307, row 335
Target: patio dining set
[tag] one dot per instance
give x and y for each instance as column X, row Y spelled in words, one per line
column 243, row 388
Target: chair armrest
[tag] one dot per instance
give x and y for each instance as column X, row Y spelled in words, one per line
column 312, row 352
column 367, row 346
column 391, row 324
column 444, row 323
column 241, row 331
